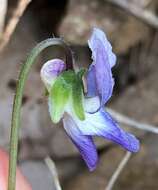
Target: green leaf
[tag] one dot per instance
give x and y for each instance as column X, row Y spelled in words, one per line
column 59, row 96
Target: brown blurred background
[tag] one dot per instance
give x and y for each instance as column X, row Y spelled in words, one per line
column 134, row 38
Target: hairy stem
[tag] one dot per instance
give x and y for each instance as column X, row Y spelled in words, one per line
column 15, row 124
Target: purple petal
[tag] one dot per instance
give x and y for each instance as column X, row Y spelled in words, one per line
column 98, row 39
column 51, row 69
column 84, row 143
column 101, row 124
column 91, row 82
column 92, row 105
column 99, row 77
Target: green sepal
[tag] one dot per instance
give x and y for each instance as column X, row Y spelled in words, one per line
column 46, row 93
column 77, row 95
column 59, row 96
column 81, row 72
column 68, row 86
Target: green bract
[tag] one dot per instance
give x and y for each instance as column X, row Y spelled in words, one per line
column 67, row 89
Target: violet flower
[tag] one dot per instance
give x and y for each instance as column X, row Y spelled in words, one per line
column 84, row 115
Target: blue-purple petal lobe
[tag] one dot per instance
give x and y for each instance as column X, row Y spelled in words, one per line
column 91, row 82
column 92, row 105
column 84, row 143
column 99, row 76
column 53, row 67
column 99, row 39
column 103, row 125
column 50, row 70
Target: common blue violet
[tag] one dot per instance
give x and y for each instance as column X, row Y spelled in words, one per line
column 83, row 114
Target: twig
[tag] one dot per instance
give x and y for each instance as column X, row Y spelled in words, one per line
column 3, row 10
column 53, row 170
column 131, row 122
column 118, row 171
column 143, row 14
column 8, row 31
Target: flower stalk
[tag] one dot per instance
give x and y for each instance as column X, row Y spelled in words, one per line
column 15, row 123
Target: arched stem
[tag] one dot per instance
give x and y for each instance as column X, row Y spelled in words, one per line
column 15, row 124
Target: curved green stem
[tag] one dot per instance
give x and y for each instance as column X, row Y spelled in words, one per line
column 15, row 125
